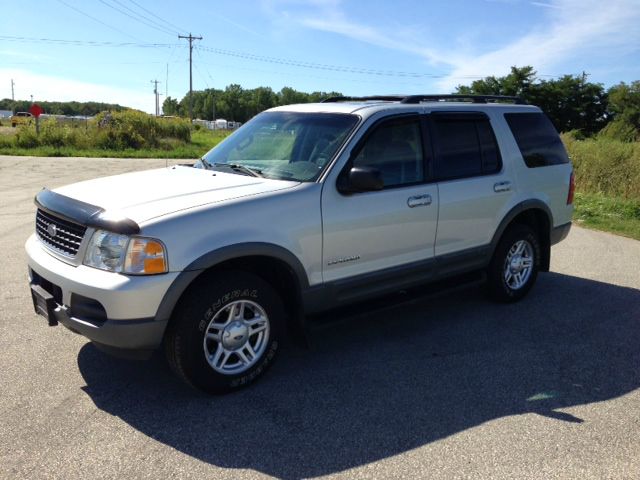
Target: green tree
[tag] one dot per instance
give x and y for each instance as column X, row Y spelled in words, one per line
column 571, row 102
column 624, row 108
column 517, row 83
column 170, row 106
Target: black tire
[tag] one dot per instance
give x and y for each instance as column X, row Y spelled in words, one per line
column 212, row 298
column 498, row 288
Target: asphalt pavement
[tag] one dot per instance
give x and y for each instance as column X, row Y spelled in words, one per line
column 447, row 386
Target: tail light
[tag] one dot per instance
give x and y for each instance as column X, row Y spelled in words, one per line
column 572, row 189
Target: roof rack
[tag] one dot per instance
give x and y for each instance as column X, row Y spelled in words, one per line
column 472, row 98
column 429, row 98
column 380, row 98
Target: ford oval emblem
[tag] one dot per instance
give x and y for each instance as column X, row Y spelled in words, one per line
column 52, row 230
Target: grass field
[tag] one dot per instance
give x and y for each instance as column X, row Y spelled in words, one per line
column 201, row 142
column 614, row 215
column 607, row 184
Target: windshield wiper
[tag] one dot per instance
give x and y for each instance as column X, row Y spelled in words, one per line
column 253, row 172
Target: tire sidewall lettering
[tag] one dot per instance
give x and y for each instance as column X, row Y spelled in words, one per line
column 222, row 301
column 258, row 369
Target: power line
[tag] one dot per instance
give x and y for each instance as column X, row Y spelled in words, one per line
column 244, row 55
column 205, row 67
column 97, row 20
column 250, row 56
column 137, row 19
column 89, row 43
column 144, row 17
column 159, row 18
column 318, row 66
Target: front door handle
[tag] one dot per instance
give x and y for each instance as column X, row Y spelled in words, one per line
column 419, row 200
column 501, row 187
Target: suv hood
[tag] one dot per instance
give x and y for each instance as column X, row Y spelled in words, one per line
column 142, row 196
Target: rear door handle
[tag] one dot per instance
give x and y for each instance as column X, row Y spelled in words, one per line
column 501, row 187
column 419, row 200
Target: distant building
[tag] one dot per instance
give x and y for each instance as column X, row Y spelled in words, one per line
column 5, row 113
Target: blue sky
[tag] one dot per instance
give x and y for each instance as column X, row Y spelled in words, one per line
column 354, row 47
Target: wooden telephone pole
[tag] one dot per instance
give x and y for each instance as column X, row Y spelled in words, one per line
column 191, row 38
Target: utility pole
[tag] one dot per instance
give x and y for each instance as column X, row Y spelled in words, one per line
column 13, row 97
column 191, row 38
column 155, row 90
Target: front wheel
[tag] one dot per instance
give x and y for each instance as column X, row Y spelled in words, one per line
column 225, row 332
column 515, row 264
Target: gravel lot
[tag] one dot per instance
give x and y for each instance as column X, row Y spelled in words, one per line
column 446, row 387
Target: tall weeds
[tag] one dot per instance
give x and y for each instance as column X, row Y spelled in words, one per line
column 606, row 166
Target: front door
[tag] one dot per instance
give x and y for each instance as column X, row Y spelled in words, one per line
column 372, row 231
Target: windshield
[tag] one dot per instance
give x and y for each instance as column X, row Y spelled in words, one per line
column 283, row 145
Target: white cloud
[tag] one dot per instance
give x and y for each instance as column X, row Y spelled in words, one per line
column 574, row 31
column 545, row 5
column 577, row 30
column 50, row 88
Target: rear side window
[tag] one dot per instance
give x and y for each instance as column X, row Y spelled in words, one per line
column 465, row 146
column 537, row 139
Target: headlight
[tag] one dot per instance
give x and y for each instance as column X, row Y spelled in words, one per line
column 120, row 253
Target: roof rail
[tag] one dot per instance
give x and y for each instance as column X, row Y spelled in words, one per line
column 429, row 98
column 472, row 98
column 381, row 98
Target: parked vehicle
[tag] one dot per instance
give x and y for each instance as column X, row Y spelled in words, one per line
column 21, row 118
column 305, row 208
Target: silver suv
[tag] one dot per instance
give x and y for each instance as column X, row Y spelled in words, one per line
column 303, row 209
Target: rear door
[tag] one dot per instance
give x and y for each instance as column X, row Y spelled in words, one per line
column 473, row 184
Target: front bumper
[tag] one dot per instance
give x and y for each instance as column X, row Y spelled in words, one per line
column 111, row 309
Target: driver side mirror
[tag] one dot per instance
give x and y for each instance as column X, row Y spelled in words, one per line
column 360, row 179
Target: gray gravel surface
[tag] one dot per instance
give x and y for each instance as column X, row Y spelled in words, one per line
column 449, row 386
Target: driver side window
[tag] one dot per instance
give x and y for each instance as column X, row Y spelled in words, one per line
column 395, row 149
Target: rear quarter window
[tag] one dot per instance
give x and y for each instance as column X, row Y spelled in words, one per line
column 537, row 138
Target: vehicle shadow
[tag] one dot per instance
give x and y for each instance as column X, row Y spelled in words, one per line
column 386, row 382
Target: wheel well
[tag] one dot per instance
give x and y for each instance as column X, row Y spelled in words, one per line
column 538, row 219
column 281, row 277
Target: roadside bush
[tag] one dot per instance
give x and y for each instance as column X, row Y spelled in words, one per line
column 26, row 137
column 133, row 129
column 6, row 141
column 620, row 130
column 606, row 166
column 53, row 134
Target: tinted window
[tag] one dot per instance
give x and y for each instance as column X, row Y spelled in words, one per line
column 537, row 139
column 394, row 148
column 466, row 146
column 490, row 154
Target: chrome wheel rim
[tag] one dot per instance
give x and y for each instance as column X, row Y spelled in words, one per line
column 518, row 265
column 236, row 337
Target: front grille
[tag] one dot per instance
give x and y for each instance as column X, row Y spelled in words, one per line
column 68, row 235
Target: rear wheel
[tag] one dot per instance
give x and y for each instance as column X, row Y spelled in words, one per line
column 225, row 332
column 515, row 264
